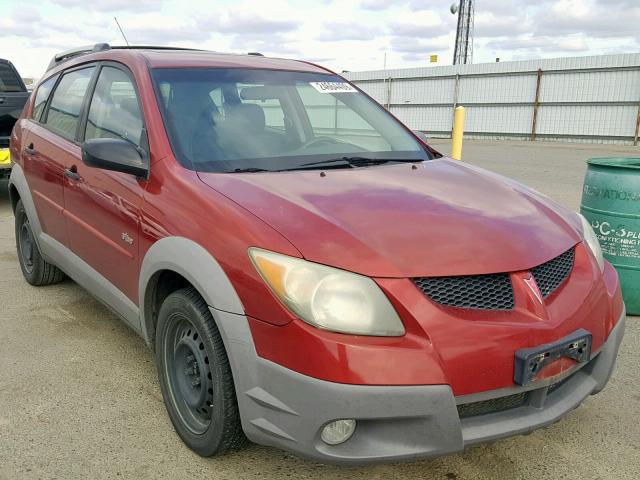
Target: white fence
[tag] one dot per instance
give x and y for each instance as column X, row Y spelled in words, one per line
column 583, row 99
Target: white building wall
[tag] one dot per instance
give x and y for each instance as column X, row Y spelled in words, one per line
column 589, row 99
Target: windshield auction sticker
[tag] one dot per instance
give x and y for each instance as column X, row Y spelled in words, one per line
column 333, row 87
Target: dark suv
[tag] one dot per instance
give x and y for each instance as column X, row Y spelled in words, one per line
column 309, row 273
column 13, row 96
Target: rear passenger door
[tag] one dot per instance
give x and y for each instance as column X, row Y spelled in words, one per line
column 50, row 146
column 102, row 207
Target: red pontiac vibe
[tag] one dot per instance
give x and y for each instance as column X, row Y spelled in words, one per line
column 309, row 273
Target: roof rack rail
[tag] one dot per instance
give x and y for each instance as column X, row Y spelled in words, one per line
column 74, row 52
column 154, row 47
column 102, row 47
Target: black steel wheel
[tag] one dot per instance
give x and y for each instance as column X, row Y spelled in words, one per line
column 189, row 373
column 195, row 376
column 25, row 246
column 35, row 269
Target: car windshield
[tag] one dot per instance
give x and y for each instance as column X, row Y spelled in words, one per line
column 237, row 120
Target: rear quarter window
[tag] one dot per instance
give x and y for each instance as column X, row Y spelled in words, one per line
column 10, row 82
column 42, row 95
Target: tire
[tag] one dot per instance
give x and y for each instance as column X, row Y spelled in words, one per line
column 195, row 376
column 36, row 270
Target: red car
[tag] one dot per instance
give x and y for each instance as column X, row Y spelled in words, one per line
column 310, row 274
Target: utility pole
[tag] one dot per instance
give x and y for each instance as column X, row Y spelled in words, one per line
column 463, row 50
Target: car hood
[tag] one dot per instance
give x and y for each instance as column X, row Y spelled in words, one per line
column 436, row 218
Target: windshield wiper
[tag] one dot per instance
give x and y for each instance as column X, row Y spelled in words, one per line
column 348, row 162
column 359, row 161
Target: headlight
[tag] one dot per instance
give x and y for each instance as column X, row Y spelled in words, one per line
column 326, row 297
column 591, row 240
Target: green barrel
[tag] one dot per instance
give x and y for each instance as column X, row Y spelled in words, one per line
column 611, row 202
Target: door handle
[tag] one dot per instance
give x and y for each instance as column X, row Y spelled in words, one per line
column 1, row 100
column 29, row 150
column 72, row 173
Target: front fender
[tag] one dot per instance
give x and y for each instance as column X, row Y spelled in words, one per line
column 190, row 260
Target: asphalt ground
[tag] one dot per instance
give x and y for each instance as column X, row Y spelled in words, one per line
column 79, row 396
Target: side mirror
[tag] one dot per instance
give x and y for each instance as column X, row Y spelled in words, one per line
column 115, row 154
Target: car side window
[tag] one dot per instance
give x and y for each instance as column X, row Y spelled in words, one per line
column 42, row 95
column 115, row 110
column 63, row 114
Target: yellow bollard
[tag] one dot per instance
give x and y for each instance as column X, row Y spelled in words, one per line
column 456, row 136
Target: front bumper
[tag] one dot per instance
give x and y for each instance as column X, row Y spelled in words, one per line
column 285, row 409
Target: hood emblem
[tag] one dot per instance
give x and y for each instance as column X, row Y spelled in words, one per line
column 533, row 286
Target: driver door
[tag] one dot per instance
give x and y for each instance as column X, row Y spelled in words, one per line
column 102, row 208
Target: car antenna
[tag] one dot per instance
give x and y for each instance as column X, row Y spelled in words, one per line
column 121, row 31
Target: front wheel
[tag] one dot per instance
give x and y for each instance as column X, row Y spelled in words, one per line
column 35, row 269
column 195, row 376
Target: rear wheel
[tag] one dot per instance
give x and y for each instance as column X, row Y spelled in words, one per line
column 36, row 270
column 195, row 376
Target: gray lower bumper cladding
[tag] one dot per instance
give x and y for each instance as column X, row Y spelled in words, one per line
column 287, row 410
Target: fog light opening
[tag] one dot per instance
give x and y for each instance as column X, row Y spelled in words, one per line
column 338, row 432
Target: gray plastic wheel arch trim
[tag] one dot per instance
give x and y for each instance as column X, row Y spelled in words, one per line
column 19, row 182
column 196, row 265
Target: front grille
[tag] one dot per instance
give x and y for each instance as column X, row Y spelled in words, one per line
column 488, row 292
column 494, row 291
column 549, row 276
column 492, row 406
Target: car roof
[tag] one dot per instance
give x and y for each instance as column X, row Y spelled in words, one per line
column 194, row 58
column 167, row 57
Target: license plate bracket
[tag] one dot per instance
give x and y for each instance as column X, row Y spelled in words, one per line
column 530, row 361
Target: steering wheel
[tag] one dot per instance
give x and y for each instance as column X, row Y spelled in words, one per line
column 318, row 141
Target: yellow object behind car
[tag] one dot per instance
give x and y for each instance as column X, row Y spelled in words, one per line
column 5, row 158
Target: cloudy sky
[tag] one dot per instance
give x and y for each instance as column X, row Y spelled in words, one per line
column 340, row 34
